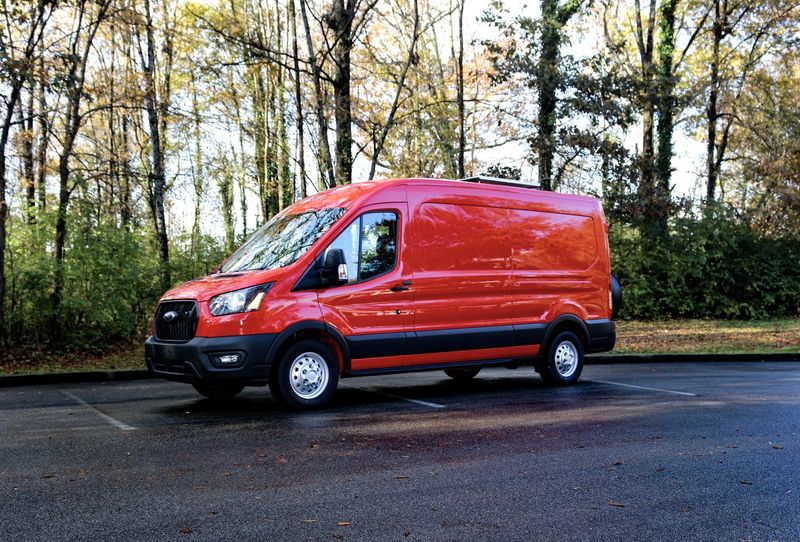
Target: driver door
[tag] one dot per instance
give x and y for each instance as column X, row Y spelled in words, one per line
column 373, row 310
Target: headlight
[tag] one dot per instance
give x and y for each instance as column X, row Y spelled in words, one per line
column 244, row 300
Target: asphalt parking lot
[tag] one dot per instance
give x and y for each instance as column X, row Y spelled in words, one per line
column 633, row 452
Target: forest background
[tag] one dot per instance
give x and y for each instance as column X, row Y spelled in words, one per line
column 142, row 140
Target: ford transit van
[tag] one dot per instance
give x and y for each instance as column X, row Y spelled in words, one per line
column 396, row 276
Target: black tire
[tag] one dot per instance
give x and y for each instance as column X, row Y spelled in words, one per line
column 219, row 392
column 462, row 374
column 287, row 382
column 563, row 361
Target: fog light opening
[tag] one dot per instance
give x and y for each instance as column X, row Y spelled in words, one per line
column 227, row 359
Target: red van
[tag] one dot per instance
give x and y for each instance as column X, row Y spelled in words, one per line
column 394, row 276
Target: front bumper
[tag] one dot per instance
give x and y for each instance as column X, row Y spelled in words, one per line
column 192, row 361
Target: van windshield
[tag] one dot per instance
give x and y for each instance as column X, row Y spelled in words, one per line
column 282, row 240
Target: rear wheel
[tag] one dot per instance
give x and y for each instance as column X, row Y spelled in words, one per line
column 306, row 376
column 218, row 392
column 564, row 362
column 462, row 374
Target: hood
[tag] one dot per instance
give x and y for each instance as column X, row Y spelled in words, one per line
column 204, row 288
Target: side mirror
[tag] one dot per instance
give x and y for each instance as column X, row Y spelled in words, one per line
column 334, row 270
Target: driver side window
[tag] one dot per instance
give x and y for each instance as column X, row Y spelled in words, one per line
column 369, row 245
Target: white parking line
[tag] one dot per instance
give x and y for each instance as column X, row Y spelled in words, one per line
column 116, row 423
column 393, row 396
column 662, row 390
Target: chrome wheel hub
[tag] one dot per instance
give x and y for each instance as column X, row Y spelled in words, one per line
column 566, row 359
column 309, row 375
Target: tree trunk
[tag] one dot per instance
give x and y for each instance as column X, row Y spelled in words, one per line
column 126, row 213
column 225, row 185
column 554, row 18
column 666, row 111
column 44, row 135
column 156, row 152
column 644, row 40
column 298, row 100
column 258, row 90
column 325, row 161
column 548, row 85
column 462, row 138
column 711, row 109
column 26, row 114
column 197, row 168
column 341, row 22
column 7, row 120
column 240, row 167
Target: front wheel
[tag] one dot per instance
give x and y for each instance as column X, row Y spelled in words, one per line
column 306, row 376
column 219, row 392
column 564, row 361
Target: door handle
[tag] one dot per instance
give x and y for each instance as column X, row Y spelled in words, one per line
column 401, row 287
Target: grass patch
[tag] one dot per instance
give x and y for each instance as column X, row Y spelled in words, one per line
column 633, row 337
column 20, row 361
column 708, row 337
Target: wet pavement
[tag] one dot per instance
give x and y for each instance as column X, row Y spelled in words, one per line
column 671, row 451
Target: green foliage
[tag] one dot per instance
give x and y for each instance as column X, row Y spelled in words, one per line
column 710, row 267
column 111, row 281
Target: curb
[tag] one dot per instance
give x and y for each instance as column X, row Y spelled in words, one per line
column 81, row 377
column 77, row 377
column 602, row 359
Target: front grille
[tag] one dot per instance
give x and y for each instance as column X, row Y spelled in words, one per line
column 179, row 326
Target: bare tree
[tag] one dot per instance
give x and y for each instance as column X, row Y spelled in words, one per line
column 401, row 82
column 298, row 100
column 325, row 162
column 18, row 46
column 80, row 46
column 156, row 107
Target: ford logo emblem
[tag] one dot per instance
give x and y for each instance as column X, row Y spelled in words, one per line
column 170, row 316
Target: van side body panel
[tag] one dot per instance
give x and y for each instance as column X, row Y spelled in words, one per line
column 462, row 276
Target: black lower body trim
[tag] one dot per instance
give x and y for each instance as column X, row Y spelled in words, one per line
column 197, row 360
column 602, row 335
column 445, row 340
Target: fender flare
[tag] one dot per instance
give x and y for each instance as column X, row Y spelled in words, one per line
column 560, row 320
column 287, row 334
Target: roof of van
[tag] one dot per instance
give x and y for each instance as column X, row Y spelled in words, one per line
column 347, row 195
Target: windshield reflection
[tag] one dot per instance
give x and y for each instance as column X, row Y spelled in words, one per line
column 282, row 240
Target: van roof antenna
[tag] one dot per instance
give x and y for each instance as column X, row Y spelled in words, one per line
column 497, row 180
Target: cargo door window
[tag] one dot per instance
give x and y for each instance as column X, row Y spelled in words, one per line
column 369, row 244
